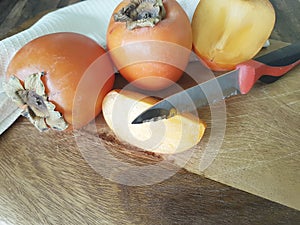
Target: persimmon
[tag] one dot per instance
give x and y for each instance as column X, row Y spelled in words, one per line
column 52, row 74
column 228, row 32
column 150, row 42
column 167, row 136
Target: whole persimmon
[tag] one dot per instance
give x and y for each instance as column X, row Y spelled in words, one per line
column 150, row 42
column 60, row 80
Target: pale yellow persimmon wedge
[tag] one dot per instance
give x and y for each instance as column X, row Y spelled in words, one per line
column 168, row 136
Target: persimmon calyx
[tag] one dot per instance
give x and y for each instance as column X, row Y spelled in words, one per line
column 33, row 100
column 141, row 13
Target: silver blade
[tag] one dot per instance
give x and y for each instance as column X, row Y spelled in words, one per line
column 206, row 93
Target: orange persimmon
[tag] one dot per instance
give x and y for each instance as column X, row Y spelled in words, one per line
column 150, row 42
column 54, row 73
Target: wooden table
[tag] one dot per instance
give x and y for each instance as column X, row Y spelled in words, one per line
column 45, row 178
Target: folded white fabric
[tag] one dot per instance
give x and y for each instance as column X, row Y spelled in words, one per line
column 90, row 17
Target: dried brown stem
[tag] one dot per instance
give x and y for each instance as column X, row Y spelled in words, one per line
column 141, row 13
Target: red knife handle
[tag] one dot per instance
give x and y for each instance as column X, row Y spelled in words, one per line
column 268, row 68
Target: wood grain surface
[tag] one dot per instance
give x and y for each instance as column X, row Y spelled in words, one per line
column 58, row 178
column 46, row 180
column 17, row 15
column 287, row 26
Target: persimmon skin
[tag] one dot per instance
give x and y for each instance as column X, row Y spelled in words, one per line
column 65, row 58
column 140, row 60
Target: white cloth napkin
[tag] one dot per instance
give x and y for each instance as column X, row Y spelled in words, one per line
column 90, row 18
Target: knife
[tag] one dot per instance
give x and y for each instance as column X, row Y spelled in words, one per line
column 267, row 68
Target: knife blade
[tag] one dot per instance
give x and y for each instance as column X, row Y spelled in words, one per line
column 267, row 68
